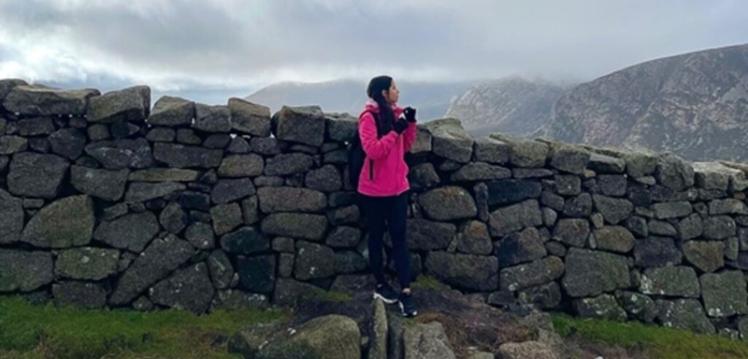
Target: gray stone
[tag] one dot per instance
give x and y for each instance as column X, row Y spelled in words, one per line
column 227, row 190
column 423, row 175
column 87, row 263
column 612, row 185
column 690, row 227
column 297, row 225
column 606, row 164
column 188, row 288
column 290, row 199
column 11, row 218
column 349, row 262
column 181, row 156
column 250, row 165
column 491, row 150
column 684, row 314
column 656, row 252
column 344, row 237
column 638, row 306
column 480, row 171
column 34, row 126
column 245, row 240
column 544, row 296
column 670, row 281
column 423, row 341
column 225, row 217
column 305, row 124
column 570, row 159
column 257, row 273
column 238, row 145
column 521, row 173
column 12, row 144
column 232, row 300
column 250, row 210
column 531, row 274
column 525, row 153
column 524, row 246
column 378, row 347
column 172, row 111
column 590, row 273
column 614, row 238
column 68, row 142
column 200, row 235
column 674, row 172
column 507, row 191
column 515, row 217
column 158, row 260
column 212, row 118
column 661, row 228
column 163, row 175
column 724, row 293
column 132, row 232
column 581, row 206
column 250, row 118
column 64, row 223
column 341, row 128
column 325, row 179
column 122, row 153
column 603, row 306
column 145, row 191
column 640, row 164
column 572, row 231
column 161, row 134
column 471, row 272
column 24, row 270
column 108, row 185
column 672, row 209
column 287, row 164
column 719, row 227
column 568, row 185
column 528, row 349
column 449, row 140
column 6, row 85
column 130, row 104
column 331, row 336
column 727, row 206
column 713, row 175
column 614, row 210
column 461, row 204
column 705, row 255
column 188, row 136
column 173, row 218
column 423, row 234
column 36, row 175
column 474, row 238
column 44, row 101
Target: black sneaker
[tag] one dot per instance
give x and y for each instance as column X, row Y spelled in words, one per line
column 407, row 307
column 385, row 293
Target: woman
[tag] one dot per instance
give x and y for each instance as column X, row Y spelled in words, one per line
column 387, row 132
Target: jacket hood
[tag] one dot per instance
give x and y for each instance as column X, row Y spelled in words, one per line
column 373, row 106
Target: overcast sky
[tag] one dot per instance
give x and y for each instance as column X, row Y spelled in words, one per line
column 240, row 44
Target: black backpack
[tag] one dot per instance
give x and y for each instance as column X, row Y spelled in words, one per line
column 357, row 157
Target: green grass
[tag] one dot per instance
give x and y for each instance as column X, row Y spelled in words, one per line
column 657, row 342
column 44, row 331
column 428, row 282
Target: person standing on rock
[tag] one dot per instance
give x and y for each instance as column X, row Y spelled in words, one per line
column 387, row 132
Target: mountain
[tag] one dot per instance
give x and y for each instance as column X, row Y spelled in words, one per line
column 431, row 99
column 694, row 104
column 512, row 105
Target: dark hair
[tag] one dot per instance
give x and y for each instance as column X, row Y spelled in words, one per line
column 374, row 91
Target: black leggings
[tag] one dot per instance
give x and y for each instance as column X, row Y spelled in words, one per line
column 392, row 210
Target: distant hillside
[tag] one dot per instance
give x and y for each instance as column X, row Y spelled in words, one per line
column 430, row 98
column 511, row 105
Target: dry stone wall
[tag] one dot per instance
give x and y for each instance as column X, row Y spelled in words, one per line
column 105, row 201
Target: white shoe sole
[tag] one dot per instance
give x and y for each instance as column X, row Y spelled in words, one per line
column 388, row 301
column 402, row 311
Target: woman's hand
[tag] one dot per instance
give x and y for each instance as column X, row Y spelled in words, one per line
column 410, row 114
column 399, row 126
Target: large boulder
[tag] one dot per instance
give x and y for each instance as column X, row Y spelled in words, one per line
column 24, row 270
column 67, row 142
column 572, row 231
column 313, row 261
column 257, row 273
column 674, row 172
column 603, row 306
column 708, row 256
column 182, row 156
column 524, row 152
column 249, row 118
column 515, row 217
column 589, row 273
column 122, row 153
column 189, row 288
column 212, row 118
column 508, row 191
column 130, row 104
column 614, row 210
column 36, row 175
column 677, row 281
column 614, row 238
column 158, row 260
column 44, row 101
column 245, row 240
column 132, row 232
column 249, row 165
column 298, row 225
column 684, row 314
column 87, row 263
column 290, row 199
column 656, row 252
column 108, row 185
column 461, row 203
column 531, row 274
column 288, row 163
column 570, row 159
column 422, row 341
column 479, row 273
column 524, row 246
column 724, row 293
column 305, row 124
column 450, row 140
column 172, row 111
column 331, row 337
column 423, row 234
column 64, row 223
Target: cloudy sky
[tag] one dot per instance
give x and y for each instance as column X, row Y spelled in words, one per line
column 240, row 45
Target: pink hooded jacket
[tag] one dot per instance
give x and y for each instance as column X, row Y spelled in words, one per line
column 387, row 154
